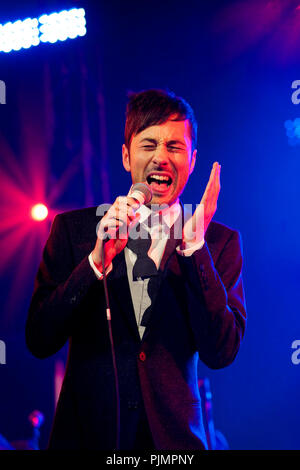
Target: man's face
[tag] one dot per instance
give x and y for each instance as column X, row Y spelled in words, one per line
column 162, row 156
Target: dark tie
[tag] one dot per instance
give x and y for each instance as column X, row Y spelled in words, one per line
column 144, row 266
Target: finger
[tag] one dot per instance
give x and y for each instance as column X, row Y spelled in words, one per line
column 114, row 218
column 216, row 177
column 109, row 229
column 123, row 218
column 213, row 172
column 211, row 202
column 217, row 183
column 122, row 211
column 133, row 203
column 211, row 182
column 125, row 201
column 211, row 176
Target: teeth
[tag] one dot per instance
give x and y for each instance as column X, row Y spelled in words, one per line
column 161, row 178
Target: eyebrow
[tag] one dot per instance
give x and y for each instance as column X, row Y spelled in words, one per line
column 170, row 142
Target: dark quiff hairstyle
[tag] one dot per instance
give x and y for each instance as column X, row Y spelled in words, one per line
column 154, row 107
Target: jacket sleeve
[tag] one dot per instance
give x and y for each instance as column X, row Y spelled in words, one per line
column 58, row 290
column 216, row 302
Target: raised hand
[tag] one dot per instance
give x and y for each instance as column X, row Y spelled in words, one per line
column 195, row 228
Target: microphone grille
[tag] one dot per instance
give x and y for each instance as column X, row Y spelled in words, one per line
column 144, row 189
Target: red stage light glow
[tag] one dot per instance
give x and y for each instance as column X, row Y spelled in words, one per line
column 39, row 212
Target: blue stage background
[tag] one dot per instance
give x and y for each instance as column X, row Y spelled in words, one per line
column 237, row 72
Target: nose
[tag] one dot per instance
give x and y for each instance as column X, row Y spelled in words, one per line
column 160, row 156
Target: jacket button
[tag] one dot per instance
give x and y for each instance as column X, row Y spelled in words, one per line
column 142, row 356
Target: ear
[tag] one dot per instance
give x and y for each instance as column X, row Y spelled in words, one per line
column 193, row 161
column 125, row 158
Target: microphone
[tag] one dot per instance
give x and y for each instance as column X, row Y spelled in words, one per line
column 142, row 194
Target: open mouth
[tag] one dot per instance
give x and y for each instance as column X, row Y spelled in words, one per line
column 159, row 182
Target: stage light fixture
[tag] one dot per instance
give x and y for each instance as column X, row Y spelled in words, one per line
column 39, row 212
column 57, row 26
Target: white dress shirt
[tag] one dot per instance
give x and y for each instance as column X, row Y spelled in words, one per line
column 159, row 234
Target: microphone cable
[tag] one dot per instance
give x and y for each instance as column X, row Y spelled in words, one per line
column 108, row 317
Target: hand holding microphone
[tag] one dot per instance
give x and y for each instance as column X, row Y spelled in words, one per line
column 113, row 229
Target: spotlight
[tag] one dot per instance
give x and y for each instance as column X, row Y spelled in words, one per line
column 57, row 26
column 39, row 212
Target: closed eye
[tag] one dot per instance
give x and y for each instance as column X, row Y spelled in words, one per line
column 149, row 147
column 174, row 148
column 169, row 147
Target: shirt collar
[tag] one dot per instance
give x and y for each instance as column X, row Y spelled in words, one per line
column 169, row 214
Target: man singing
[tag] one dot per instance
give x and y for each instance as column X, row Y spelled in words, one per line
column 174, row 299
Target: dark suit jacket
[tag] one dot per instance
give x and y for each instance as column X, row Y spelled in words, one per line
column 199, row 312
